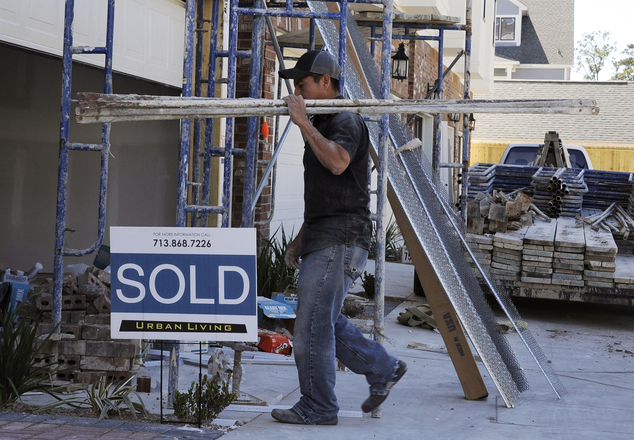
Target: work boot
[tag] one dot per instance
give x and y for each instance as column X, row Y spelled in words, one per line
column 372, row 402
column 290, row 416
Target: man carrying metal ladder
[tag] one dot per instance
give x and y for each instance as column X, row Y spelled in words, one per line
column 333, row 245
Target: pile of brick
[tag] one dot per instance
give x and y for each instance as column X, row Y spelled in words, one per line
column 85, row 351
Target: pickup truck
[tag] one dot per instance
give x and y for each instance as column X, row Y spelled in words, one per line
column 525, row 153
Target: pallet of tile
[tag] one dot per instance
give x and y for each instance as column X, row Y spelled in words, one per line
column 624, row 272
column 482, row 246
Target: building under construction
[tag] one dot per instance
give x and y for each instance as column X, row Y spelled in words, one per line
column 173, row 158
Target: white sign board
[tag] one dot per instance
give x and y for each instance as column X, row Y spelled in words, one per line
column 183, row 284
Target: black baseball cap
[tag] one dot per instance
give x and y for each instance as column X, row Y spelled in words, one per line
column 313, row 61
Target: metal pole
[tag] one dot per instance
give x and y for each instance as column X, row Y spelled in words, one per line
column 271, row 165
column 438, row 118
column 185, row 128
column 381, row 196
column 343, row 29
column 465, row 117
column 253, row 133
column 230, row 122
column 211, row 92
column 62, row 171
column 183, row 172
column 199, row 23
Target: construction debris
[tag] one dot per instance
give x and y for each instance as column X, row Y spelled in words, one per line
column 614, row 219
column 499, row 212
column 87, row 352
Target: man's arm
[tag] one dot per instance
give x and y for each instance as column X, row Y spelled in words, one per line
column 291, row 257
column 331, row 155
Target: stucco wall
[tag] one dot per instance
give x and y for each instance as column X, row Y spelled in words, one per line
column 143, row 165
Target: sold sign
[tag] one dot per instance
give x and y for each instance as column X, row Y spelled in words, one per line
column 183, row 284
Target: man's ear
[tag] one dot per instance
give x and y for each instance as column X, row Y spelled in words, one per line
column 326, row 80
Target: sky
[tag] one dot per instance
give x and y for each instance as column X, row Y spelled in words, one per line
column 615, row 16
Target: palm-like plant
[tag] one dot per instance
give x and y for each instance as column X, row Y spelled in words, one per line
column 104, row 398
column 273, row 274
column 393, row 241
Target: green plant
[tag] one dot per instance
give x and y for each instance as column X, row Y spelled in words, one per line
column 369, row 284
column 393, row 241
column 273, row 274
column 212, row 395
column 19, row 347
column 104, row 398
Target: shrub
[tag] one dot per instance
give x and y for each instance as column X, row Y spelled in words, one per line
column 19, row 347
column 368, row 282
column 212, row 395
column 352, row 308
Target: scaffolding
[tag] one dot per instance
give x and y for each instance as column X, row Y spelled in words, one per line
column 194, row 188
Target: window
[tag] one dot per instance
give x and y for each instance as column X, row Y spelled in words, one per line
column 505, row 29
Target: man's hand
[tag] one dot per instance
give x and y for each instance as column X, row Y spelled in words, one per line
column 291, row 257
column 296, row 109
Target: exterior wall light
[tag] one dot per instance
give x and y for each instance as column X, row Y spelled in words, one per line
column 400, row 63
column 471, row 122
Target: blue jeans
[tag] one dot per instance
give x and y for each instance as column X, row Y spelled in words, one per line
column 322, row 333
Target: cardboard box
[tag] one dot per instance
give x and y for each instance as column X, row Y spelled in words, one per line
column 276, row 310
column 19, row 292
column 288, row 300
column 273, row 309
column 448, row 323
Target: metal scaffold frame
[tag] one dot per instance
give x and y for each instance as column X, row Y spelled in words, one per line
column 192, row 86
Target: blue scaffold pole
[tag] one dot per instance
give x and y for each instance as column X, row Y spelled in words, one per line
column 65, row 146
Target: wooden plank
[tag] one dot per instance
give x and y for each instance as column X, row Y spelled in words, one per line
column 569, row 235
column 599, row 241
column 542, row 233
column 511, row 237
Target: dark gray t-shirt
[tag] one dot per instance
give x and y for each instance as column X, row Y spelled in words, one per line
column 336, row 207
